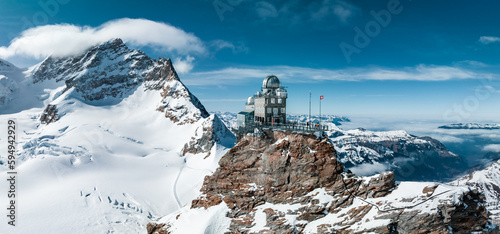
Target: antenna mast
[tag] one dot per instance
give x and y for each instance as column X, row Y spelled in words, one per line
column 309, row 120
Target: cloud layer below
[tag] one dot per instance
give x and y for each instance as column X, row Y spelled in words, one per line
column 67, row 39
column 492, row 148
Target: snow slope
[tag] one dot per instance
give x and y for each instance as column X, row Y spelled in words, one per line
column 113, row 161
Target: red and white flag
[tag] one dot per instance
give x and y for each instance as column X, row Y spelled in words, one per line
column 321, row 97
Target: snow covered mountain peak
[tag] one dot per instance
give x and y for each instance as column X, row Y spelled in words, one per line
column 111, row 137
column 107, row 70
column 110, row 72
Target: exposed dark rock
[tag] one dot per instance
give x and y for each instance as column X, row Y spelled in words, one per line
column 212, row 131
column 153, row 228
column 110, row 69
column 49, row 115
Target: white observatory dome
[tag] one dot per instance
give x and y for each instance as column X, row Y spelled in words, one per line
column 251, row 100
column 271, row 82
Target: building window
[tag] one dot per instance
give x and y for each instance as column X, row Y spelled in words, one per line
column 283, row 110
column 280, row 100
column 273, row 100
column 275, row 111
column 269, row 110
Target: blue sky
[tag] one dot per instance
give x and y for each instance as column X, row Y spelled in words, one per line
column 432, row 59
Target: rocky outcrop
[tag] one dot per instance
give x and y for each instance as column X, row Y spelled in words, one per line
column 49, row 115
column 486, row 181
column 108, row 70
column 278, row 182
column 210, row 132
column 178, row 103
column 257, row 171
column 162, row 72
column 156, row 228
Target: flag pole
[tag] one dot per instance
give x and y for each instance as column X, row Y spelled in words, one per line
column 309, row 120
column 320, row 112
column 320, row 117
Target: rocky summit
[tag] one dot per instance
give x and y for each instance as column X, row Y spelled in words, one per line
column 278, row 182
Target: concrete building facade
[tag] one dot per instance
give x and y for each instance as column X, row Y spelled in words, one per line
column 268, row 105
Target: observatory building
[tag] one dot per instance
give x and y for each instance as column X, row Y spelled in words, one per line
column 266, row 107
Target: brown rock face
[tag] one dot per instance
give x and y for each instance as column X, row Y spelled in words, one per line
column 262, row 174
column 211, row 131
column 278, row 169
column 178, row 103
column 162, row 72
column 157, row 228
column 283, row 168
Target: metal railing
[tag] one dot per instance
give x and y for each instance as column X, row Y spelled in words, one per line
column 288, row 126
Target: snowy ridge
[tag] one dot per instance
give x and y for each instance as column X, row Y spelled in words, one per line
column 111, row 162
column 179, row 104
column 363, row 215
column 488, row 182
column 109, row 70
column 471, row 126
column 408, row 194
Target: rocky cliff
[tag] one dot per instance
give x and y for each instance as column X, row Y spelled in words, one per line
column 486, row 181
column 277, row 182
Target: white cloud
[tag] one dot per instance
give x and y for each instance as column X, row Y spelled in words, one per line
column 488, row 40
column 302, row 12
column 184, row 66
column 221, row 44
column 492, row 148
column 449, row 139
column 369, row 169
column 342, row 13
column 266, row 10
column 67, row 39
column 306, row 75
